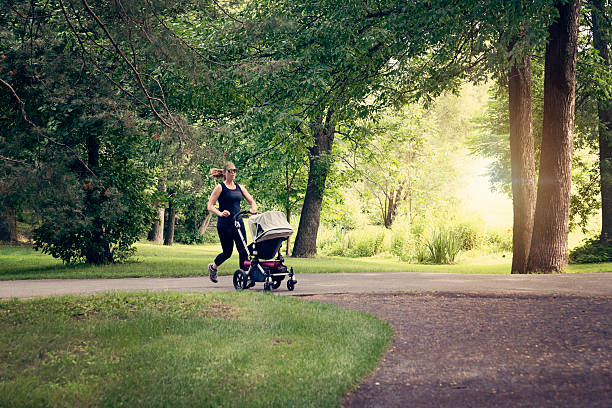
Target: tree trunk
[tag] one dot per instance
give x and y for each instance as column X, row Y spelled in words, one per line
column 600, row 27
column 169, row 240
column 8, row 226
column 288, row 213
column 157, row 235
column 548, row 251
column 393, row 201
column 157, row 231
column 522, row 158
column 319, row 166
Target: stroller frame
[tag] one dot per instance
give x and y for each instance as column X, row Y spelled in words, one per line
column 261, row 268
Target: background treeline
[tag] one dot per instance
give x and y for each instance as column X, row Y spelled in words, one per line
column 113, row 112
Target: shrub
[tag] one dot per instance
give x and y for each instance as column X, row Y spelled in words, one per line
column 353, row 243
column 468, row 234
column 364, row 245
column 398, row 245
column 408, row 248
column 188, row 237
column 499, row 240
column 443, row 246
column 592, row 251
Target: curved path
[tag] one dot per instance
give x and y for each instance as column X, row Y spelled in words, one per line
column 596, row 284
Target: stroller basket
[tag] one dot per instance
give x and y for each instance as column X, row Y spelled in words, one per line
column 267, row 249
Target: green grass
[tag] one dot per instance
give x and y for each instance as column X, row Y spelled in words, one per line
column 21, row 262
column 235, row 349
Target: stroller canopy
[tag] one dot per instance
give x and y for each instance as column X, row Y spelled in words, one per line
column 269, row 225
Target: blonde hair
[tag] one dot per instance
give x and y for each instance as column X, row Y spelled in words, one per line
column 220, row 173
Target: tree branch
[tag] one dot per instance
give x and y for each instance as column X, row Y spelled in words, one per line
column 23, row 114
column 139, row 80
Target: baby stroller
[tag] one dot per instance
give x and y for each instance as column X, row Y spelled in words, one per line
column 269, row 230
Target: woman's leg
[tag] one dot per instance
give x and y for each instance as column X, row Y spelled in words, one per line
column 226, row 236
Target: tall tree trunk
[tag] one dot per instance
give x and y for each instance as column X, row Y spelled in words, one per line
column 549, row 242
column 157, row 235
column 522, row 158
column 288, row 213
column 8, row 225
column 601, row 26
column 320, row 163
column 157, row 231
column 393, row 201
column 169, row 240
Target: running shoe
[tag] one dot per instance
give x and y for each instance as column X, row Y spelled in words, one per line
column 212, row 273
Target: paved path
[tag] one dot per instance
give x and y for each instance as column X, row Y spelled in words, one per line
column 597, row 284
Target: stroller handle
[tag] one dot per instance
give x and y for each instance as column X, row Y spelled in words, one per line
column 241, row 213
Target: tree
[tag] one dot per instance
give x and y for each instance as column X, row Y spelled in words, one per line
column 523, row 161
column 549, row 252
column 320, row 161
column 78, row 110
column 391, row 158
column 600, row 21
column 310, row 59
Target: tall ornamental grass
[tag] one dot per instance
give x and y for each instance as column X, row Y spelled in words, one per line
column 443, row 246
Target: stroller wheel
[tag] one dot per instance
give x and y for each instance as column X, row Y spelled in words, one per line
column 240, row 279
column 267, row 287
column 276, row 283
column 290, row 284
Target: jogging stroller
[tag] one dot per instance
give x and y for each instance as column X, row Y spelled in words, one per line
column 268, row 230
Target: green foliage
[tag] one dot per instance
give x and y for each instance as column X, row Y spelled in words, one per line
column 408, row 248
column 592, row 251
column 498, row 240
column 355, row 244
column 592, row 84
column 468, row 234
column 443, row 245
column 185, row 235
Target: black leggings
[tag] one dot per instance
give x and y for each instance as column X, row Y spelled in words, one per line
column 228, row 234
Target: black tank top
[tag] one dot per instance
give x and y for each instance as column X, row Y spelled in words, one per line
column 229, row 200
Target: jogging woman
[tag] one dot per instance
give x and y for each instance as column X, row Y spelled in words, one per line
column 229, row 194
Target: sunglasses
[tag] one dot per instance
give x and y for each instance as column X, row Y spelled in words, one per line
column 231, row 171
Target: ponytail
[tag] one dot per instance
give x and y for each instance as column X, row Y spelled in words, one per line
column 216, row 173
column 220, row 173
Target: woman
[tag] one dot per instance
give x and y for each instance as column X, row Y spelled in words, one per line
column 229, row 194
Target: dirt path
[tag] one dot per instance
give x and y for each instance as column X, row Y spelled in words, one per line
column 479, row 350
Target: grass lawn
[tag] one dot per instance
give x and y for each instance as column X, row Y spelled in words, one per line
column 20, row 262
column 183, row 350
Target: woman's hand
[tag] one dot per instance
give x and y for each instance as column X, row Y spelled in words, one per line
column 252, row 211
column 225, row 213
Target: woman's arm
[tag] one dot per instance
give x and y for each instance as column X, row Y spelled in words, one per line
column 213, row 200
column 250, row 200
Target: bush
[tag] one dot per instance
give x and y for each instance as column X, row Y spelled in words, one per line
column 190, row 236
column 499, row 240
column 468, row 235
column 593, row 251
column 352, row 244
column 408, row 248
column 443, row 246
column 364, row 245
